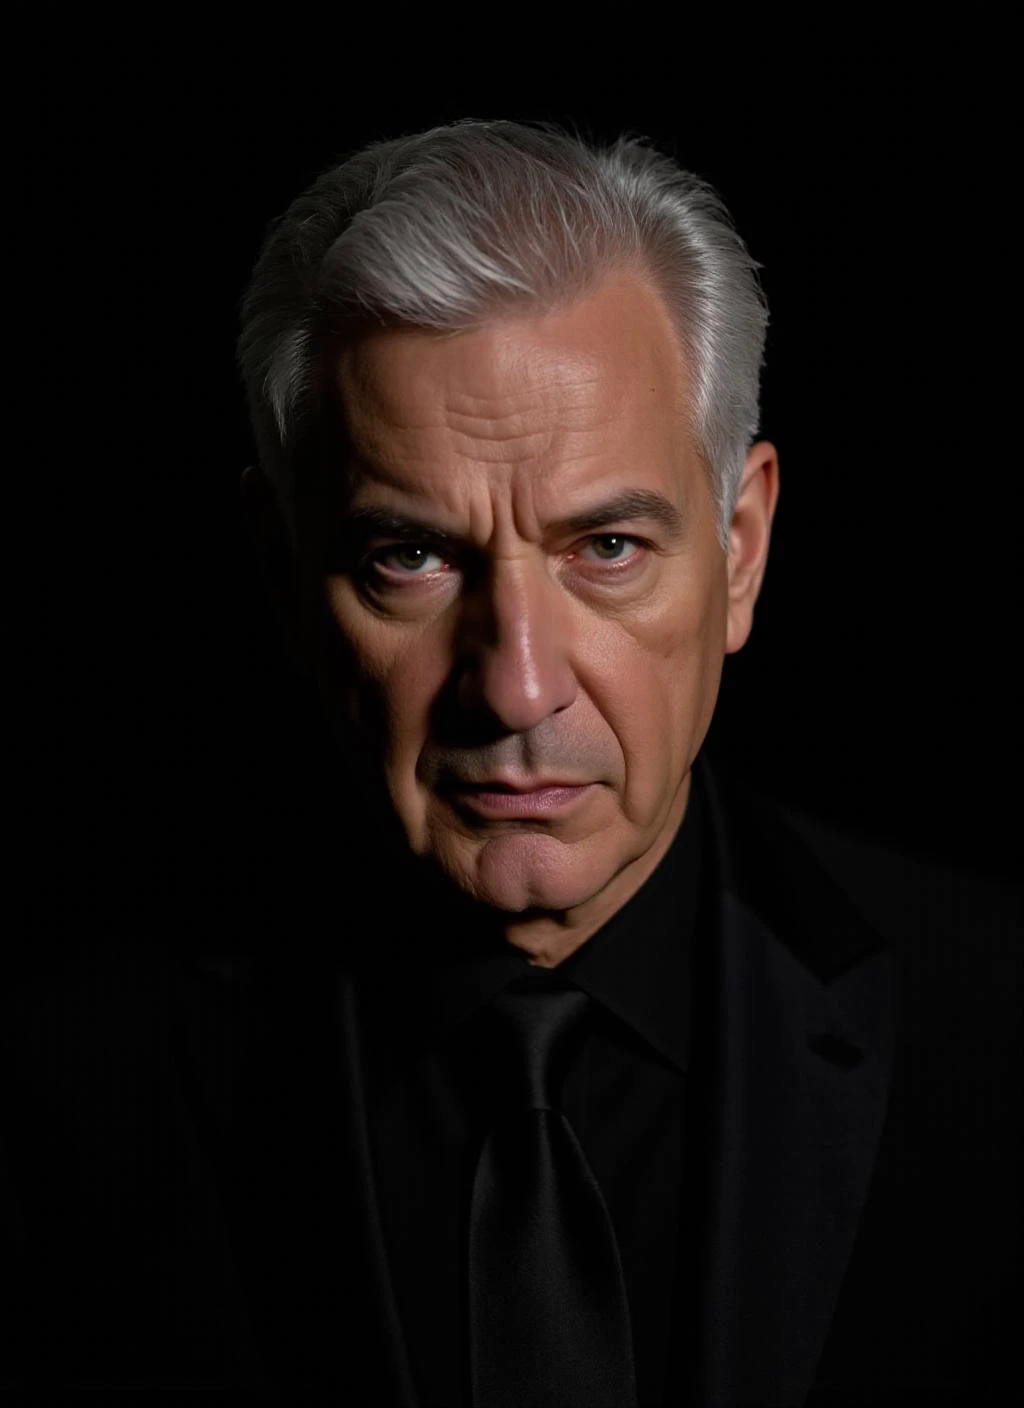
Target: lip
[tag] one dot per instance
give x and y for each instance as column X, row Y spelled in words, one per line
column 511, row 800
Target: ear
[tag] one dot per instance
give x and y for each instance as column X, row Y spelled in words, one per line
column 270, row 540
column 749, row 536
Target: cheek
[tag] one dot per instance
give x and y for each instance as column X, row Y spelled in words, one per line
column 393, row 679
column 691, row 667
column 655, row 682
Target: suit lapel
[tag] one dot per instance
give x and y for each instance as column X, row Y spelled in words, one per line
column 795, row 1074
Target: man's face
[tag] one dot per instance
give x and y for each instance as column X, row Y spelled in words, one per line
column 532, row 602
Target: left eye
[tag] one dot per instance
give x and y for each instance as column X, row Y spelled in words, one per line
column 612, row 547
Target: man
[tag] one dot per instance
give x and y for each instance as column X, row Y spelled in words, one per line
column 559, row 1071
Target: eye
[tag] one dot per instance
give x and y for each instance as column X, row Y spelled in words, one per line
column 408, row 560
column 612, row 547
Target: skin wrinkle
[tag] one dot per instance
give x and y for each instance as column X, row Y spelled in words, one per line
column 577, row 394
column 525, row 651
column 365, row 523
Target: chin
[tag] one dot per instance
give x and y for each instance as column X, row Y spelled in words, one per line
column 516, row 872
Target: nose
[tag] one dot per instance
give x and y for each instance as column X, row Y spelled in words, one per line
column 515, row 649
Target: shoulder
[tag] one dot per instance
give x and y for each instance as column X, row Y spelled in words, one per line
column 896, row 886
column 889, row 883
column 952, row 928
column 952, row 942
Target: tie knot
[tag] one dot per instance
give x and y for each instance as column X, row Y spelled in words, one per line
column 538, row 1026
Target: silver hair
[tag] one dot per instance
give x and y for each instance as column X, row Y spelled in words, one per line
column 450, row 226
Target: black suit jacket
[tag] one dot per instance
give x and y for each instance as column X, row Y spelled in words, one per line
column 188, row 1202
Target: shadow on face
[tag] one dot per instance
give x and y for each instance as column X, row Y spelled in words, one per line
column 522, row 611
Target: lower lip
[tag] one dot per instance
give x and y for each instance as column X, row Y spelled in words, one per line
column 545, row 801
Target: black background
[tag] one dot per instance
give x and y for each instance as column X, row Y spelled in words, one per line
column 872, row 180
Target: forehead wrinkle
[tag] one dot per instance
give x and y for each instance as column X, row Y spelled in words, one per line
column 522, row 421
column 529, row 448
column 500, row 424
column 464, row 471
column 515, row 434
column 517, row 429
column 564, row 441
column 567, row 393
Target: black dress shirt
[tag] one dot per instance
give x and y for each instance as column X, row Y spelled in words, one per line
column 429, row 1081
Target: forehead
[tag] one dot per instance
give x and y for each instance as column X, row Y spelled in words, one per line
column 536, row 401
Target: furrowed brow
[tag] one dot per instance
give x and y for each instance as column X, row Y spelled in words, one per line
column 363, row 524
column 623, row 508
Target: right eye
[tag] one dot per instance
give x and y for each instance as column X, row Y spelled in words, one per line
column 407, row 560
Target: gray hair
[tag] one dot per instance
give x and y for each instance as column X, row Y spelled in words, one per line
column 450, row 226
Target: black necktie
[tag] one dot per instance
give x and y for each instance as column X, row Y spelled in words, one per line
column 548, row 1313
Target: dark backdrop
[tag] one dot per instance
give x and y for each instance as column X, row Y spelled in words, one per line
column 161, row 732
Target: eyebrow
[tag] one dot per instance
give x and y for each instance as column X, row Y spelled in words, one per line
column 626, row 507
column 366, row 522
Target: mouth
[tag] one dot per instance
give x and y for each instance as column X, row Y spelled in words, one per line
column 519, row 800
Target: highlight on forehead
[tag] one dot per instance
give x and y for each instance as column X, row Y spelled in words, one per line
column 602, row 372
